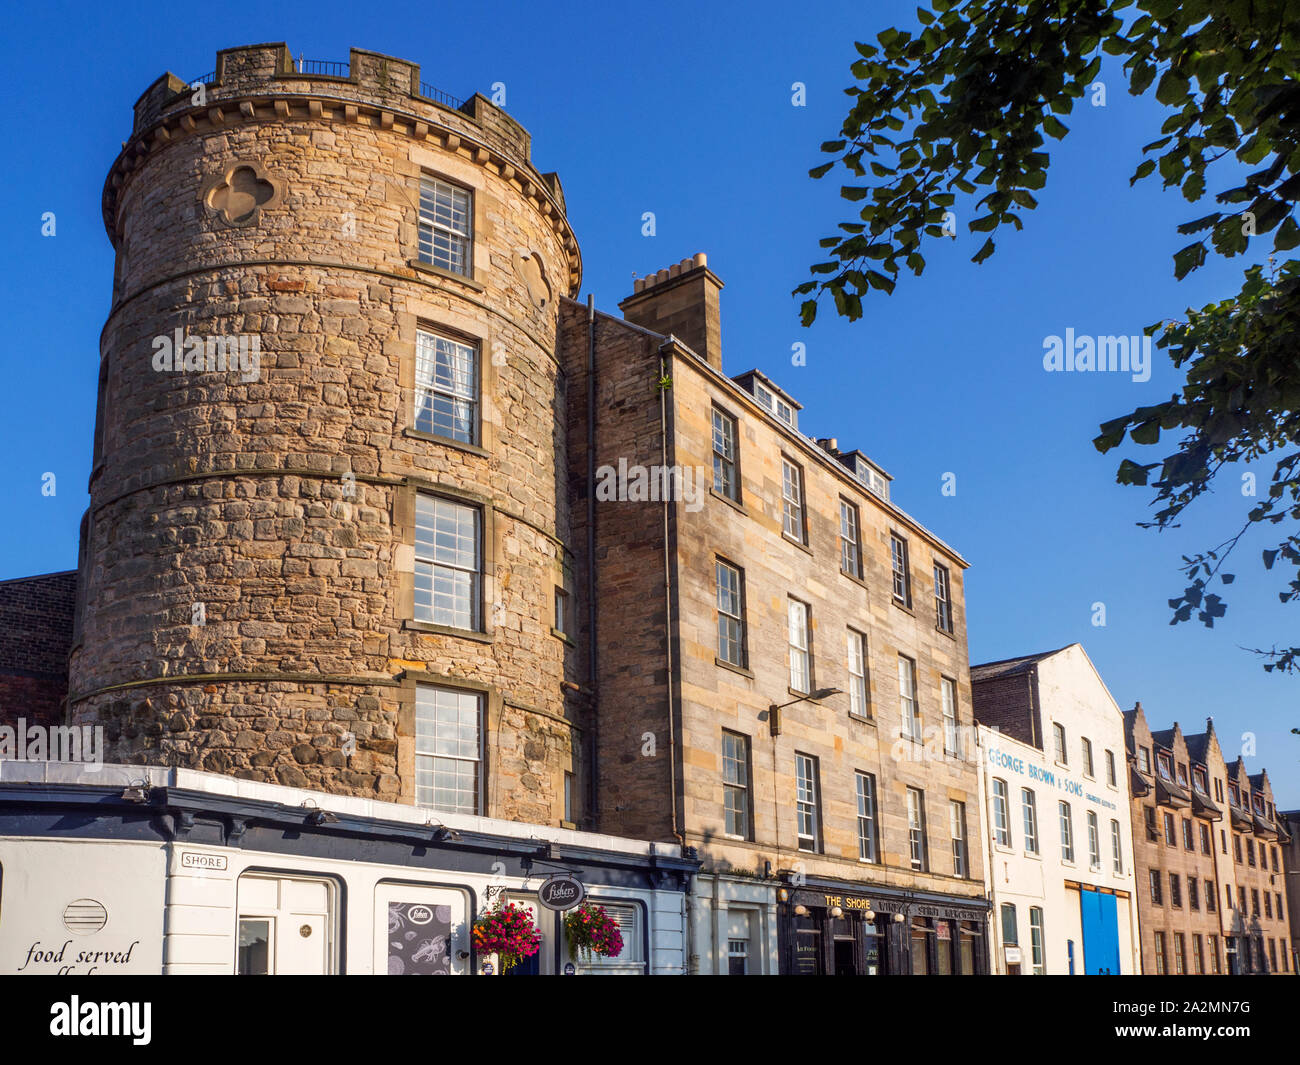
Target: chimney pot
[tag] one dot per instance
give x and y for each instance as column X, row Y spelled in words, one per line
column 687, row 308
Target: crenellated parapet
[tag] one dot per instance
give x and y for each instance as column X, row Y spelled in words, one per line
column 262, row 83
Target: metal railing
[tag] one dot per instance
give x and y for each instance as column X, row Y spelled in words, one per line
column 438, row 96
column 328, row 68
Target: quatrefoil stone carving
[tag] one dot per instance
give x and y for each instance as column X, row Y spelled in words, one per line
column 239, row 196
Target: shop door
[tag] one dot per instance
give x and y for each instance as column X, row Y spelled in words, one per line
column 845, row 957
column 285, row 926
column 1100, row 922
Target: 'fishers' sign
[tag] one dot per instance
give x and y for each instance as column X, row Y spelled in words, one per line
column 561, row 892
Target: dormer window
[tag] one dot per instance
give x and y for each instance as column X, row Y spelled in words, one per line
column 1234, row 795
column 1198, row 779
column 774, row 403
column 1165, row 764
column 1182, row 774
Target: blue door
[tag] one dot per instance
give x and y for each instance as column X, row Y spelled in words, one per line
column 1100, row 933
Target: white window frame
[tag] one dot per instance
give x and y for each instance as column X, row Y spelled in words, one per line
column 957, row 826
column 461, row 577
column 446, row 372
column 1094, row 841
column 900, row 569
column 943, row 612
column 1029, row 811
column 952, row 739
column 1036, row 940
column 437, row 220
column 850, row 539
column 792, row 502
column 908, row 705
column 1066, row 818
column 440, row 743
column 1001, row 813
column 859, row 693
column 1059, row 743
column 737, row 765
column 807, row 802
column 799, row 639
column 1117, row 848
column 726, row 468
column 727, row 601
column 868, row 847
column 917, row 844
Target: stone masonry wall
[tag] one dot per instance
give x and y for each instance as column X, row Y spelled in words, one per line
column 284, row 503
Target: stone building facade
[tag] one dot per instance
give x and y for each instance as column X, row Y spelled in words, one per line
column 1210, row 899
column 35, row 636
column 1289, row 841
column 334, row 563
column 1258, row 921
column 740, row 565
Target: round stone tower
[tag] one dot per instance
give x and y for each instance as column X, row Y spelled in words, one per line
column 328, row 520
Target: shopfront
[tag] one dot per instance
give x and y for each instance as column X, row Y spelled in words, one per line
column 830, row 931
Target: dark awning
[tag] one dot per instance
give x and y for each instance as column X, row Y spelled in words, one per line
column 1205, row 808
column 1240, row 819
column 1264, row 827
column 1138, row 783
column 1169, row 792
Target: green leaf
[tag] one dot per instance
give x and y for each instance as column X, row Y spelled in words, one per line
column 1146, row 432
column 1189, row 259
column 1288, row 236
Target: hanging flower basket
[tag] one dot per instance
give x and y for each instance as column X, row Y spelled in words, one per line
column 590, row 930
column 508, row 932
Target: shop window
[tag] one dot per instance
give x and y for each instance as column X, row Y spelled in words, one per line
column 970, row 936
column 943, row 948
column 921, row 934
column 426, row 930
column 628, row 917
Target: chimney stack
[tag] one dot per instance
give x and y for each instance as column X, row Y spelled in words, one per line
column 681, row 300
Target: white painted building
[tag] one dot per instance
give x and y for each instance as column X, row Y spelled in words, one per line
column 130, row 869
column 1058, row 838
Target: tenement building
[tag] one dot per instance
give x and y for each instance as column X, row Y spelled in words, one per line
column 780, row 656
column 1202, row 890
column 1257, row 922
column 1288, row 825
column 1055, row 799
column 328, row 548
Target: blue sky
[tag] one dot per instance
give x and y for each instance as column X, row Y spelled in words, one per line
column 685, row 110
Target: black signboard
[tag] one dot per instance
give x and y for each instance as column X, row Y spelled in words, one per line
column 419, row 939
column 807, row 953
column 561, row 892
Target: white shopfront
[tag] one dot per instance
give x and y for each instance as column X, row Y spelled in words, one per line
column 199, row 873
